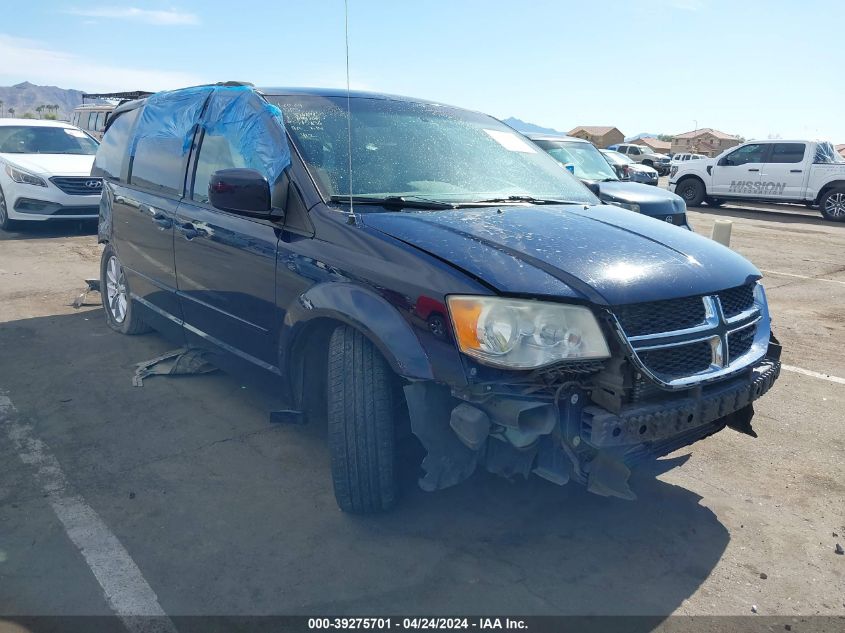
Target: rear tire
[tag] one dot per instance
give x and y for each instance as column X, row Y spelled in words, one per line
column 117, row 302
column 5, row 223
column 692, row 191
column 832, row 205
column 361, row 425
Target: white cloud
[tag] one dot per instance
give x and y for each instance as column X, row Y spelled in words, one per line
column 33, row 61
column 161, row 18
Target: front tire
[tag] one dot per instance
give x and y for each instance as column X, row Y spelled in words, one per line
column 5, row 223
column 832, row 205
column 114, row 291
column 361, row 425
column 692, row 191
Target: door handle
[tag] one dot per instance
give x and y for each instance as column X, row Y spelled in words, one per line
column 795, row 171
column 753, row 169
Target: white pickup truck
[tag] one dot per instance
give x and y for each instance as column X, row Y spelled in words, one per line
column 806, row 172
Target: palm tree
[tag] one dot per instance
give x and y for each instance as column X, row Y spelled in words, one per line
column 1, row 107
column 39, row 110
column 11, row 112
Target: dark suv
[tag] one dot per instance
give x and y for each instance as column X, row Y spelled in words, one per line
column 402, row 267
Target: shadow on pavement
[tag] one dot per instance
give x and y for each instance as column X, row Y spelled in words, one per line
column 225, row 513
column 49, row 229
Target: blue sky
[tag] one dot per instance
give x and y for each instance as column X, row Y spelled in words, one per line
column 755, row 68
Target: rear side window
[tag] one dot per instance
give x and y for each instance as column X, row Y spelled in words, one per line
column 787, row 153
column 157, row 165
column 115, row 145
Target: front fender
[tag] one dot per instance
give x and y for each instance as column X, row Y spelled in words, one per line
column 367, row 311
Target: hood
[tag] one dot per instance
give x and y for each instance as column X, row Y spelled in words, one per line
column 52, row 164
column 602, row 254
column 642, row 168
column 652, row 200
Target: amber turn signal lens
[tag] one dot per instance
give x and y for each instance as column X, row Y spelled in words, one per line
column 465, row 313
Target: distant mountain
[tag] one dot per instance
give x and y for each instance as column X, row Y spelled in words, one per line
column 25, row 97
column 530, row 128
column 641, row 135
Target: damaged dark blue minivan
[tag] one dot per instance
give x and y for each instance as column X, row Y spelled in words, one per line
column 404, row 268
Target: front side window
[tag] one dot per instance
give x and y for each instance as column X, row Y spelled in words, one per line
column 588, row 162
column 24, row 139
column 216, row 152
column 402, row 148
column 752, row 153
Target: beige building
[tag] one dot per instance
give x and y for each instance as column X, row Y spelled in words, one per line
column 600, row 136
column 655, row 144
column 705, row 141
column 841, row 150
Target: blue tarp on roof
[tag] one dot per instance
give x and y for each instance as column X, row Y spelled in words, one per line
column 236, row 112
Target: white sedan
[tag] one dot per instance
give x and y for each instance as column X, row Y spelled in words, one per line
column 45, row 172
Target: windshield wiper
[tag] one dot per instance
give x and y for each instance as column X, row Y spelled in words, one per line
column 411, row 202
column 528, row 199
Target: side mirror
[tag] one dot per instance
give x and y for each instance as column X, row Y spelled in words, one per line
column 243, row 191
column 723, row 161
column 594, row 187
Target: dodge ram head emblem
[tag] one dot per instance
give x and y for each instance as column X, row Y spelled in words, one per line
column 94, row 184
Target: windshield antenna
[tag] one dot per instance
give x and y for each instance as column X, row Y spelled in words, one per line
column 348, row 109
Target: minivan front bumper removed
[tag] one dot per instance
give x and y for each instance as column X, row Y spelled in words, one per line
column 561, row 432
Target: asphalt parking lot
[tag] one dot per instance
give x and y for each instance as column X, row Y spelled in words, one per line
column 214, row 510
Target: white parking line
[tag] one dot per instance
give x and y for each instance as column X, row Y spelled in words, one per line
column 813, row 374
column 125, row 589
column 774, row 272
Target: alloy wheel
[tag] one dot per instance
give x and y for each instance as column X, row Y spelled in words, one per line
column 116, row 289
column 834, row 206
column 4, row 214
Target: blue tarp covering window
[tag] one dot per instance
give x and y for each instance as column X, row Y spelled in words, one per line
column 236, row 112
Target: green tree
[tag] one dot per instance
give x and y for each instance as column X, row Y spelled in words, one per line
column 40, row 110
column 28, row 115
column 1, row 107
column 665, row 137
column 11, row 111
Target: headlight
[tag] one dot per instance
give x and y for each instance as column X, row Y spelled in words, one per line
column 631, row 207
column 24, row 177
column 523, row 334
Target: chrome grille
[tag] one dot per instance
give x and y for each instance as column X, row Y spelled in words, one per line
column 736, row 300
column 661, row 316
column 78, row 185
column 681, row 342
column 741, row 341
column 683, row 360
